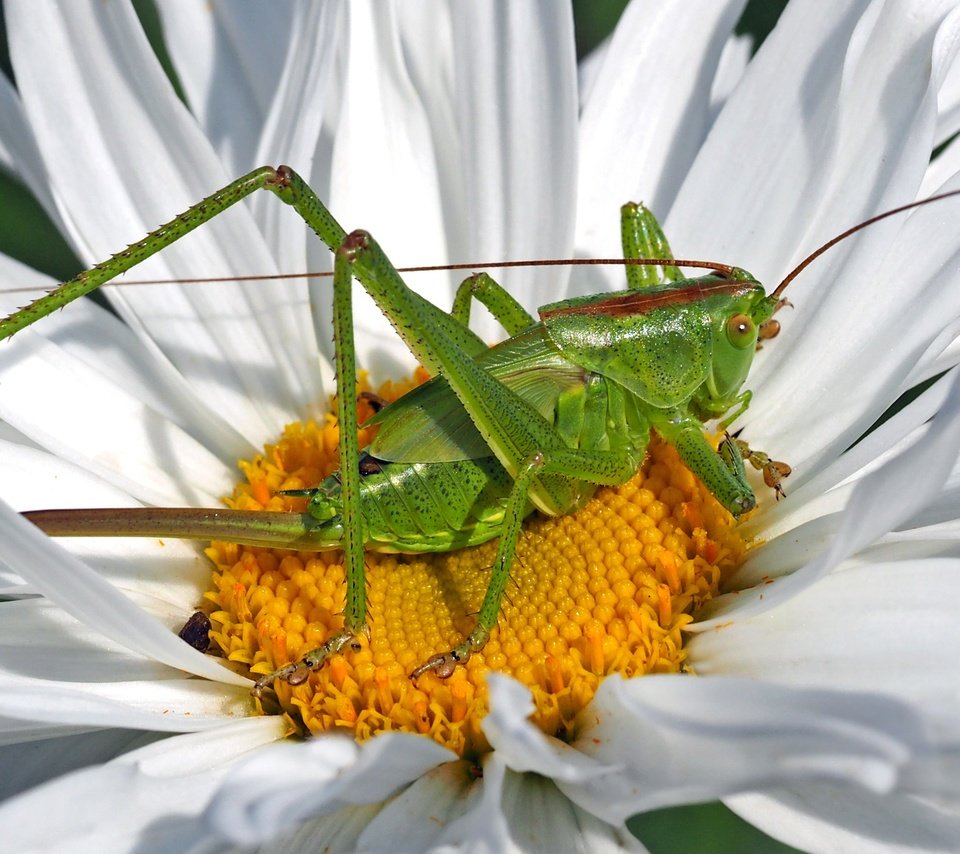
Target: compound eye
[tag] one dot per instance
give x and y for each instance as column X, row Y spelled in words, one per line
column 741, row 331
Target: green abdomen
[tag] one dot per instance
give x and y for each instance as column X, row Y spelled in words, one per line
column 420, row 507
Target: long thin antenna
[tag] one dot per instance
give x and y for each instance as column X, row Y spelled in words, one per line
column 844, row 235
column 716, row 266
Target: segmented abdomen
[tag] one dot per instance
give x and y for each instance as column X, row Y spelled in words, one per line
column 421, row 507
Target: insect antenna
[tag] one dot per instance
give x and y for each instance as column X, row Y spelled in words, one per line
column 714, row 266
column 833, row 241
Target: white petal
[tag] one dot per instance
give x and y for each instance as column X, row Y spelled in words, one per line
column 485, row 826
column 880, row 502
column 808, row 401
column 83, row 593
column 229, row 71
column 163, row 787
column 89, row 421
column 296, row 131
column 338, row 831
column 825, row 412
column 733, row 63
column 18, row 148
column 523, row 747
column 93, row 822
column 171, row 572
column 203, row 751
column 280, row 788
column 422, row 812
column 827, row 490
column 948, row 104
column 32, row 763
column 91, row 335
column 515, row 95
column 39, row 640
column 941, row 169
column 682, row 740
column 165, row 705
column 647, row 116
column 541, row 818
column 500, row 195
column 825, row 818
column 383, row 173
column 859, row 628
column 146, row 156
column 775, row 173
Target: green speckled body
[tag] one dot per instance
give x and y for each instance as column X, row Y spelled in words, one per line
column 607, row 368
column 662, row 343
column 421, row 507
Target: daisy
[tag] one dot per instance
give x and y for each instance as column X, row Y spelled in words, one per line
column 825, row 705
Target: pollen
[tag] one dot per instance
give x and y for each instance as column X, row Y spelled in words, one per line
column 608, row 589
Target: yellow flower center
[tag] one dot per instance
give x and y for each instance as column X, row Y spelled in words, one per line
column 605, row 590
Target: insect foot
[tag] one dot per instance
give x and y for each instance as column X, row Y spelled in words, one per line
column 442, row 665
column 445, row 663
column 774, row 471
column 297, row 672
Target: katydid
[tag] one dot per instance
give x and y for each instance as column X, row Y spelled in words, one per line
column 539, row 421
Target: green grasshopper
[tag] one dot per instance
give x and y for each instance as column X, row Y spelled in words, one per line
column 539, row 421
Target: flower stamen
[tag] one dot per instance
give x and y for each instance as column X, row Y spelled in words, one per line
column 607, row 589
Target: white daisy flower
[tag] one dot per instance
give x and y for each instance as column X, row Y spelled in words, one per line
column 825, row 704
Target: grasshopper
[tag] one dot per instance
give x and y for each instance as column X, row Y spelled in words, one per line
column 539, row 421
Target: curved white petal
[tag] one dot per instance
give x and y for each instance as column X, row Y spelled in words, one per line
column 515, row 96
column 229, row 71
column 427, row 807
column 164, row 705
column 383, row 170
column 941, row 168
column 677, row 740
column 89, row 421
column 523, row 747
column 805, row 141
column 881, row 501
column 948, row 104
column 825, row 818
column 143, row 161
column 859, row 628
column 163, row 787
column 646, row 118
column 732, row 64
column 280, row 788
column 106, row 346
column 823, row 492
column 493, row 180
column 32, row 763
column 40, row 641
column 170, row 573
column 828, row 178
column 19, row 154
column 83, row 593
column 297, row 130
column 526, row 812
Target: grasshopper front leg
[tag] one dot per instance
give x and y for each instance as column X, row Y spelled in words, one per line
column 722, row 473
column 774, row 471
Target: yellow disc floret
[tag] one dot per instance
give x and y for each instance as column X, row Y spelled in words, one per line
column 605, row 590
